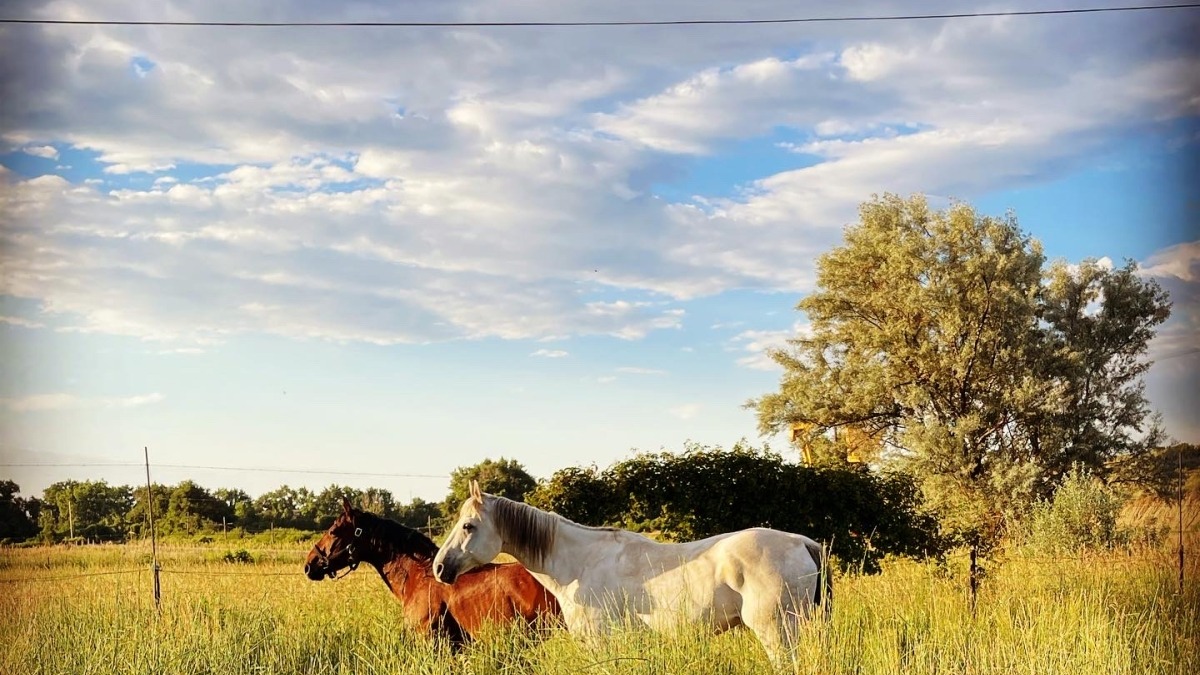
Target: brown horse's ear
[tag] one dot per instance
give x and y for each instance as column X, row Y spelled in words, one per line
column 476, row 493
column 346, row 508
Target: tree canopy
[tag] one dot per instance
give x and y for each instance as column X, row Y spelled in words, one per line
column 704, row 491
column 981, row 369
column 504, row 477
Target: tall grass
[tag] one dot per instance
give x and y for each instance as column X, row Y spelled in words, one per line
column 1114, row 613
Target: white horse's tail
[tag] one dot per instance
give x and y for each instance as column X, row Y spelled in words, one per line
column 823, row 594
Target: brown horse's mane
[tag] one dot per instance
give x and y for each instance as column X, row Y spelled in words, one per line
column 387, row 536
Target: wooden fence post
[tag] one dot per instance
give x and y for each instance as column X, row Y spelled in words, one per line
column 974, row 576
column 153, row 537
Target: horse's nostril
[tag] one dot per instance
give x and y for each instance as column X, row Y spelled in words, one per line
column 437, row 570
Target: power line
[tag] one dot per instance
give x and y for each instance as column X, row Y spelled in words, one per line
column 596, row 24
column 226, row 468
column 70, row 576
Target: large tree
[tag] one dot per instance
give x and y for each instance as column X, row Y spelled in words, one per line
column 90, row 509
column 192, row 508
column 942, row 334
column 504, row 477
column 704, row 491
column 143, row 508
column 16, row 521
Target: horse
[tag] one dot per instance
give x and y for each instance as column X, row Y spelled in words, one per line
column 403, row 557
column 763, row 579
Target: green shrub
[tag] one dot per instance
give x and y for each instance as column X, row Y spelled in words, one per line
column 241, row 556
column 1081, row 516
column 705, row 491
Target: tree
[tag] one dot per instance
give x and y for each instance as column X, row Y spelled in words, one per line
column 328, row 503
column 279, row 507
column 581, row 494
column 504, row 477
column 306, row 515
column 16, row 522
column 378, row 501
column 705, row 491
column 1099, row 322
column 936, row 332
column 88, row 509
column 191, row 509
column 238, row 504
column 139, row 514
column 418, row 514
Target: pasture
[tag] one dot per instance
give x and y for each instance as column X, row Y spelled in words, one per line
column 81, row 610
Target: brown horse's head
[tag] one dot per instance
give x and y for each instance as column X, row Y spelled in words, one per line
column 335, row 549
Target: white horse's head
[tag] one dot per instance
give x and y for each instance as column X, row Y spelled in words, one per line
column 474, row 540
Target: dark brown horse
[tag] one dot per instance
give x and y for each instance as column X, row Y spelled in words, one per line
column 403, row 557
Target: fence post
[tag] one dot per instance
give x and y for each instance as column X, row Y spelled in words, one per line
column 1180, row 506
column 153, row 537
column 974, row 576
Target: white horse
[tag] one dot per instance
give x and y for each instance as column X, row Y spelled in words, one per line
column 764, row 579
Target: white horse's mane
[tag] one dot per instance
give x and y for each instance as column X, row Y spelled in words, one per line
column 524, row 527
column 528, row 528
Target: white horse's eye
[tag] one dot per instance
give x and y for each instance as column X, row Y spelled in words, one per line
column 468, row 526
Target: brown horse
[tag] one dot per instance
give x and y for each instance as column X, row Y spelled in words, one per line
column 403, row 557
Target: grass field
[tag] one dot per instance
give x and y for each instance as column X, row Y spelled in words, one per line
column 1116, row 613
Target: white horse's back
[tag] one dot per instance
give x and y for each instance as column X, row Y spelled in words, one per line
column 765, row 579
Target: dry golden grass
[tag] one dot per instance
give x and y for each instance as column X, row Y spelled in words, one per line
column 1116, row 613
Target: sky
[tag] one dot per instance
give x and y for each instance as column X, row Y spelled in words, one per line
column 399, row 251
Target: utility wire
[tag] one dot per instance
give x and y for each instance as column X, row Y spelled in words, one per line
column 65, row 577
column 604, row 24
column 228, row 468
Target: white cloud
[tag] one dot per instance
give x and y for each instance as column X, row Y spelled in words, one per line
column 686, row 411
column 474, row 188
column 757, row 345
column 633, row 370
column 122, row 168
column 741, row 101
column 18, row 321
column 550, row 353
column 1177, row 270
column 61, row 401
column 181, row 350
column 45, row 151
column 1181, row 261
column 133, row 401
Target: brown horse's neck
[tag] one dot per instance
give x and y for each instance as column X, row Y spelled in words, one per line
column 402, row 556
column 405, row 574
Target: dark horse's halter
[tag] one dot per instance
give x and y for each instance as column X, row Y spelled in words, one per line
column 348, row 549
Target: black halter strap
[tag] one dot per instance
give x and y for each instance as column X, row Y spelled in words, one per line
column 348, row 549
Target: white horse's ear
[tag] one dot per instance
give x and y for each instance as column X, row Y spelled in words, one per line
column 476, row 493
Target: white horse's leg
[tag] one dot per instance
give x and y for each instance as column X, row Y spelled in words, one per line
column 585, row 624
column 775, row 619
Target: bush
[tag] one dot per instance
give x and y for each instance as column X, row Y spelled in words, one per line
column 242, row 556
column 705, row 491
column 1082, row 515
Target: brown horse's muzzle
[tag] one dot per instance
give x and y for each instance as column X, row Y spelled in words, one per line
column 315, row 572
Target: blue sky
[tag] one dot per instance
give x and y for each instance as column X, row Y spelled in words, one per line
column 403, row 251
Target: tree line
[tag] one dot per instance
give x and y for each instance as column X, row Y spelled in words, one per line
column 96, row 511
column 696, row 493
